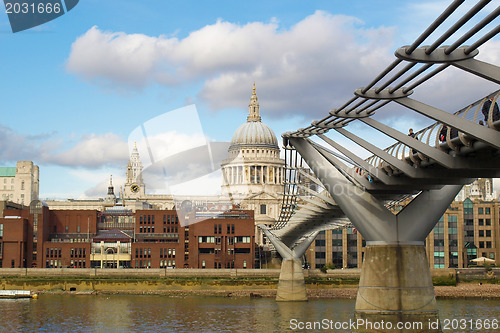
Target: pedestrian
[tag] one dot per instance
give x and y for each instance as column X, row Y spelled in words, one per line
column 487, row 108
column 442, row 134
column 411, row 134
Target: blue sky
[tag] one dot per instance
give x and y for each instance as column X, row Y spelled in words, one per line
column 74, row 89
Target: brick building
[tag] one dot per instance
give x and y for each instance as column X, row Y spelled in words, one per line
column 35, row 236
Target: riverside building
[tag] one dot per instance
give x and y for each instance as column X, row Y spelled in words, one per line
column 36, row 236
column 468, row 230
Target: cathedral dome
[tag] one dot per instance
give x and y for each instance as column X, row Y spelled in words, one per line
column 254, row 132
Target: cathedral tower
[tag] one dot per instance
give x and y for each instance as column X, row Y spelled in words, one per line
column 134, row 185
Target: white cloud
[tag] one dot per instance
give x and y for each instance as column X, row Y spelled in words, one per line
column 305, row 70
column 92, row 151
column 308, row 67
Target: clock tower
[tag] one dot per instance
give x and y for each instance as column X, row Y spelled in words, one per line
column 134, row 186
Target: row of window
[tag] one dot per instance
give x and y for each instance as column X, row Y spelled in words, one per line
column 218, row 229
column 147, row 263
column 218, row 264
column 336, row 242
column 143, row 253
column 78, row 252
column 53, row 252
column 230, row 240
column 167, row 253
column 150, row 219
column 151, row 229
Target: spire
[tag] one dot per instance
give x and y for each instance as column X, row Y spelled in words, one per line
column 253, row 107
column 111, row 189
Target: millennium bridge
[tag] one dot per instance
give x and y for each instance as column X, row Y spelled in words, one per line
column 328, row 185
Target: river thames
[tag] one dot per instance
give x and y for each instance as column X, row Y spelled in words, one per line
column 117, row 313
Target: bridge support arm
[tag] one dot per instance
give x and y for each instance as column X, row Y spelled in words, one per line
column 480, row 68
column 291, row 284
column 477, row 131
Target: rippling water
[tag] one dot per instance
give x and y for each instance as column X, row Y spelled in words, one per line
column 72, row 313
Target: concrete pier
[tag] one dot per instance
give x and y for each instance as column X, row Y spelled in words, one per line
column 396, row 287
column 291, row 286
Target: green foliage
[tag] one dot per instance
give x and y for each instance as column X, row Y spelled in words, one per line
column 327, row 266
column 444, row 281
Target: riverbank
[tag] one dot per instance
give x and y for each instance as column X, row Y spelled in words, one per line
column 336, row 284
column 462, row 290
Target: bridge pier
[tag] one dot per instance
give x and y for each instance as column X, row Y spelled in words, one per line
column 396, row 288
column 291, row 284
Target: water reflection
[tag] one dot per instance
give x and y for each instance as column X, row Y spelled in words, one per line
column 62, row 313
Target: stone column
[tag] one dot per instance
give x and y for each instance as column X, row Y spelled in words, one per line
column 396, row 287
column 291, row 285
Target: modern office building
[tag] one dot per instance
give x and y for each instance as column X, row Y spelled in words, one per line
column 469, row 229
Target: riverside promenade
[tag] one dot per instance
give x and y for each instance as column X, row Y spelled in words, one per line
column 338, row 283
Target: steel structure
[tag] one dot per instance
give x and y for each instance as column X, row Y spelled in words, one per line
column 431, row 166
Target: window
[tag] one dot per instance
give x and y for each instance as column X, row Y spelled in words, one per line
column 488, row 233
column 206, row 239
column 488, row 221
column 480, row 210
column 438, row 242
column 77, row 228
column 66, row 229
column 468, row 206
column 1, row 230
column 242, row 239
column 487, row 211
column 481, row 222
column 488, row 245
column 320, row 255
column 481, row 233
column 337, row 242
column 319, row 242
column 263, row 209
column 481, row 244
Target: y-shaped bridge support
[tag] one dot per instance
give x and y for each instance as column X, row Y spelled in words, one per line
column 395, row 284
column 291, row 285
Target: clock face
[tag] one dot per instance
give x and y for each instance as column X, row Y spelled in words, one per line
column 134, row 188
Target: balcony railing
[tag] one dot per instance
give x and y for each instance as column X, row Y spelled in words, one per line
column 70, row 238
